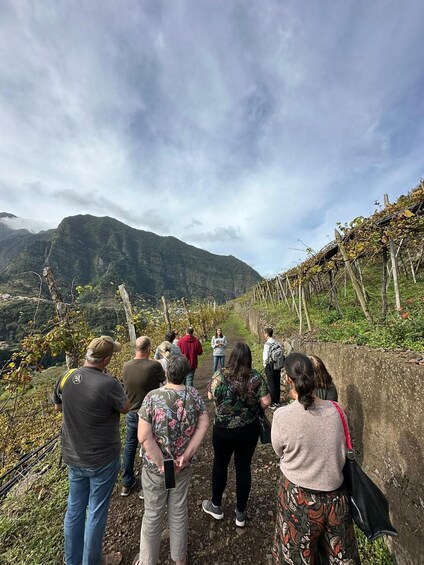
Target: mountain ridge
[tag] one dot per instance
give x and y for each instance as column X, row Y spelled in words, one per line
column 104, row 252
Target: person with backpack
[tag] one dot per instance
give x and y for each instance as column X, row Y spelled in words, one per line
column 273, row 362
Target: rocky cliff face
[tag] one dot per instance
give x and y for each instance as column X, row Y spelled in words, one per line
column 104, row 253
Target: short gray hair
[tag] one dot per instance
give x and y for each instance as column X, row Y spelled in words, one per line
column 91, row 359
column 143, row 343
column 178, row 368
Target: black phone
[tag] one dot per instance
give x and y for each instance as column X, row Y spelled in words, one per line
column 169, row 469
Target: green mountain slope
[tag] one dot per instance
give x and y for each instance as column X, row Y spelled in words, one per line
column 104, row 252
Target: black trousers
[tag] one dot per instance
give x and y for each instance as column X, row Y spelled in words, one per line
column 273, row 378
column 242, row 442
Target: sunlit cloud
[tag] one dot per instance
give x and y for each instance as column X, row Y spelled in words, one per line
column 238, row 127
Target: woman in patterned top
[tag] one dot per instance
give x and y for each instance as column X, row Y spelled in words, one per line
column 238, row 392
column 172, row 424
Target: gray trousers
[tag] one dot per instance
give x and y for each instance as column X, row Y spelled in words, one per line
column 156, row 501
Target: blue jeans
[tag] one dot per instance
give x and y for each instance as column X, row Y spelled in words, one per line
column 189, row 380
column 92, row 488
column 218, row 360
column 130, row 449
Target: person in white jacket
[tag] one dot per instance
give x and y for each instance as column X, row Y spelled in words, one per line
column 218, row 344
column 272, row 375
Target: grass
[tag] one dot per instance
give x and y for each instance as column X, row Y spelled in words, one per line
column 400, row 330
column 375, row 552
column 31, row 519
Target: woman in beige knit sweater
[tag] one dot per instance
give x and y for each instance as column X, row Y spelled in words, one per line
column 313, row 512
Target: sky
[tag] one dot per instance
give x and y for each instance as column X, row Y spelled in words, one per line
column 247, row 128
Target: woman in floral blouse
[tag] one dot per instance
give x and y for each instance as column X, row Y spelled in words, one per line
column 172, row 424
column 238, row 392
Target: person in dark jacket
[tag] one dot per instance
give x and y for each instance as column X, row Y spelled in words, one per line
column 190, row 347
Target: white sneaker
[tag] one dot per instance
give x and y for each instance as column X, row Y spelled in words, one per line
column 240, row 518
column 215, row 511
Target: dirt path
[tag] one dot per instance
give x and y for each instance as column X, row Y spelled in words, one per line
column 210, row 542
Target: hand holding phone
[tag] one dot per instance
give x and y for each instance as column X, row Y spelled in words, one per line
column 169, row 471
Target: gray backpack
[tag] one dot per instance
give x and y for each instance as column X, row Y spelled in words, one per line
column 276, row 356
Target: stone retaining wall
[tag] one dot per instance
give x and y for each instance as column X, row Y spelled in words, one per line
column 384, row 401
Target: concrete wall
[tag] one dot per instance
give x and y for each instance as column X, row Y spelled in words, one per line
column 384, row 401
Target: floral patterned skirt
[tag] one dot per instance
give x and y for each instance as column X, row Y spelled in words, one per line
column 313, row 528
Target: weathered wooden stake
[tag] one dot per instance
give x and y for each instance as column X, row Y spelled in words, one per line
column 394, row 265
column 71, row 357
column 305, row 307
column 384, row 284
column 166, row 314
column 268, row 287
column 293, row 299
column 187, row 311
column 128, row 312
column 300, row 308
column 411, row 264
column 283, row 291
column 355, row 284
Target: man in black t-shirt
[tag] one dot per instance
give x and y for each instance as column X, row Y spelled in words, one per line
column 91, row 401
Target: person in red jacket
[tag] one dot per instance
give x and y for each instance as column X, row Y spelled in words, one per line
column 190, row 347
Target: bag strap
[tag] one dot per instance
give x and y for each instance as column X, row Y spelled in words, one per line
column 345, row 426
column 182, row 412
column 64, row 379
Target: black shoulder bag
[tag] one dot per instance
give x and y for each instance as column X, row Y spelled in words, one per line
column 264, row 426
column 368, row 505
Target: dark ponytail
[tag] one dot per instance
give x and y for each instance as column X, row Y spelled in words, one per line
column 299, row 368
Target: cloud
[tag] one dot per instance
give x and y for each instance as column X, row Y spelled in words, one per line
column 216, row 235
column 194, row 223
column 240, row 127
column 33, row 226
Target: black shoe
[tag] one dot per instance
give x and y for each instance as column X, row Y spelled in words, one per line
column 127, row 490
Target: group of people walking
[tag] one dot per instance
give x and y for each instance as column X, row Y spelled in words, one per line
column 167, row 416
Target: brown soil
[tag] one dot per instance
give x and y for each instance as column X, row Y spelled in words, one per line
column 210, row 541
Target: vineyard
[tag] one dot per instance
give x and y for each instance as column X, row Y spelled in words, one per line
column 27, row 421
column 366, row 287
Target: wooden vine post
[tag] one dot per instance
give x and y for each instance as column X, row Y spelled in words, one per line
column 384, row 282
column 305, row 307
column 262, row 294
column 411, row 265
column 62, row 313
column 269, row 291
column 334, row 303
column 283, row 291
column 293, row 299
column 394, row 264
column 166, row 313
column 300, row 307
column 128, row 312
column 187, row 311
column 355, row 284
